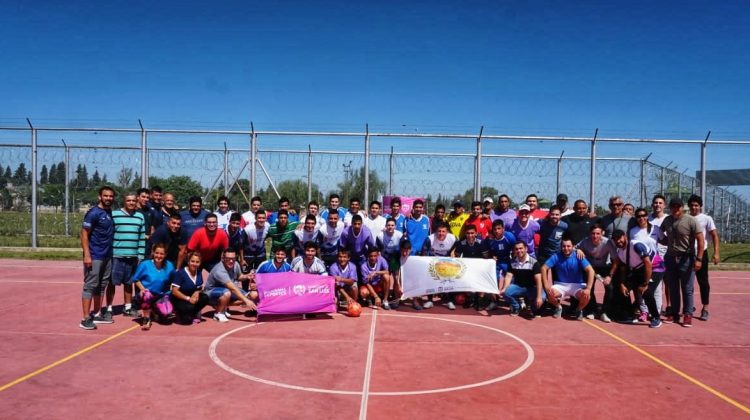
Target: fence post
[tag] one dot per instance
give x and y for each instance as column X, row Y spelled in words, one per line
column 366, row 198
column 144, row 157
column 704, row 146
column 390, row 173
column 309, row 173
column 559, row 174
column 592, row 176
column 34, row 214
column 66, row 200
column 643, row 180
column 226, row 169
column 679, row 184
column 253, row 152
column 478, row 168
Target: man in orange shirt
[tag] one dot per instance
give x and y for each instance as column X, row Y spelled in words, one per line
column 209, row 241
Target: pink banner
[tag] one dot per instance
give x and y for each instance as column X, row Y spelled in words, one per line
column 406, row 203
column 295, row 293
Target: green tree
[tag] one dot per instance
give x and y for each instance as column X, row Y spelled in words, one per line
column 353, row 186
column 44, row 175
column 125, row 177
column 96, row 179
column 21, row 175
column 182, row 187
column 468, row 196
column 52, row 174
column 7, row 175
column 82, row 177
column 294, row 190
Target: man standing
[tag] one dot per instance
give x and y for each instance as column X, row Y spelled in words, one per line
column 579, row 222
column 457, row 218
column 487, row 205
column 600, row 252
column 254, row 239
column 286, row 206
column 562, row 203
column 128, row 248
column 550, row 233
column 706, row 222
column 418, row 228
column 374, row 221
column 248, row 217
column 504, row 212
column 658, row 204
column 479, row 220
column 569, row 279
column 535, row 212
column 617, row 219
column 355, row 209
column 683, row 236
column 334, row 202
column 282, row 232
column 209, row 241
column 173, row 236
column 524, row 228
column 169, row 207
column 308, row 262
column 308, row 233
column 194, row 217
column 396, row 215
column 97, row 234
column 223, row 213
column 154, row 206
column 329, row 237
column 357, row 239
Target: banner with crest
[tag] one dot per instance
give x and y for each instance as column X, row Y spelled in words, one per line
column 431, row 275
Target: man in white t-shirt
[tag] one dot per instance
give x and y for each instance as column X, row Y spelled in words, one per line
column 374, row 221
column 695, row 207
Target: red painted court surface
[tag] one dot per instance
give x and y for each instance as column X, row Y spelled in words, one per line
column 383, row 365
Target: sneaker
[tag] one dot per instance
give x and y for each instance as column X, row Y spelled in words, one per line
column 451, row 306
column 386, row 305
column 704, row 315
column 590, row 316
column 417, row 306
column 669, row 319
column 579, row 317
column 220, row 317
column 655, row 322
column 558, row 312
column 687, row 320
column 197, row 320
column 105, row 318
column 428, row 304
column 87, row 324
column 605, row 318
column 515, row 311
column 394, row 303
column 643, row 317
column 132, row 312
column 491, row 307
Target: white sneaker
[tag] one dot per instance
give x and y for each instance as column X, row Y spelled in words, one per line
column 386, row 305
column 451, row 306
column 428, row 304
column 492, row 306
column 219, row 316
column 590, row 316
column 605, row 318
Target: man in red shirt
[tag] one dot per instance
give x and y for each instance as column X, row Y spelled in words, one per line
column 481, row 221
column 209, row 241
column 536, row 213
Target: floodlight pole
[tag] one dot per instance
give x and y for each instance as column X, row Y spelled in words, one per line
column 704, row 146
column 592, row 175
column 34, row 214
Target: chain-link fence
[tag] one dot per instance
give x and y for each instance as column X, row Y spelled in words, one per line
column 305, row 166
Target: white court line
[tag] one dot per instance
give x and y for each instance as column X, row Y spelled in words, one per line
column 368, row 369
column 525, row 365
column 56, row 267
column 39, row 281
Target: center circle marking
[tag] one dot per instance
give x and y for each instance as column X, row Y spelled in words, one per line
column 525, row 365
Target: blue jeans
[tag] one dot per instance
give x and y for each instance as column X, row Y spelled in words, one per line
column 514, row 291
column 679, row 275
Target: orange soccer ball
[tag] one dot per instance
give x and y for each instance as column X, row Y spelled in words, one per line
column 354, row 309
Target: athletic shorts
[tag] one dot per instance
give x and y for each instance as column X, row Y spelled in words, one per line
column 217, row 292
column 568, row 289
column 96, row 278
column 123, row 270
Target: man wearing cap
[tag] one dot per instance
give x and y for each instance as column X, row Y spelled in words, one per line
column 562, row 203
column 683, row 236
column 457, row 218
column 487, row 205
column 504, row 212
column 524, row 229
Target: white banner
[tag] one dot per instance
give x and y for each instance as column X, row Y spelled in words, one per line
column 430, row 275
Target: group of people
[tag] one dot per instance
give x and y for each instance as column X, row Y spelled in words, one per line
column 545, row 259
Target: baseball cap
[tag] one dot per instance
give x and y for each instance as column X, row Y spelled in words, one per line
column 524, row 207
column 676, row 202
column 562, row 197
column 458, row 203
column 486, row 199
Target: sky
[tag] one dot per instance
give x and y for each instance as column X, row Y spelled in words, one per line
column 644, row 69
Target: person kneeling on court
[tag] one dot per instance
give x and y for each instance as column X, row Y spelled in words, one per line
column 345, row 273
column 188, row 298
column 151, row 280
column 632, row 270
column 526, row 277
column 223, row 286
column 569, row 281
column 376, row 279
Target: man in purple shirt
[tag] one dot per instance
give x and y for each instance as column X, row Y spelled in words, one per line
column 524, row 228
column 503, row 212
column 376, row 278
column 357, row 239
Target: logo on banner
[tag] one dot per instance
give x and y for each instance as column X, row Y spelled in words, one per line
column 299, row 289
column 446, row 269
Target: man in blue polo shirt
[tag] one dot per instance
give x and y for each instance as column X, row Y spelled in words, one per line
column 194, row 217
column 96, row 241
column 569, row 278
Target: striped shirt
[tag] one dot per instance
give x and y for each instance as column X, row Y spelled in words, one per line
column 130, row 234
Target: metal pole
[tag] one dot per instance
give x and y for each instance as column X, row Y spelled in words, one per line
column 661, row 181
column 592, row 176
column 704, row 146
column 478, row 168
column 366, row 199
column 390, row 173
column 226, row 170
column 309, row 172
column 34, row 214
column 643, row 180
column 144, row 157
column 253, row 157
column 559, row 174
column 67, row 188
column 679, row 184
